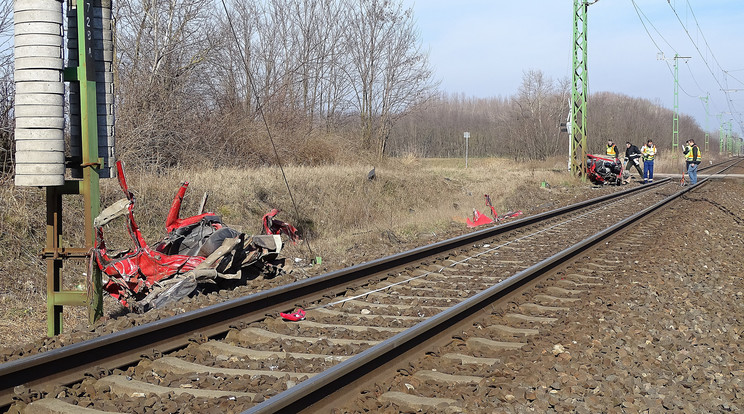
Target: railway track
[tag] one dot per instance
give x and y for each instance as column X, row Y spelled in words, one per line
column 240, row 355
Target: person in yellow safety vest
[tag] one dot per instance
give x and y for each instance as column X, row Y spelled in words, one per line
column 649, row 153
column 612, row 149
column 693, row 156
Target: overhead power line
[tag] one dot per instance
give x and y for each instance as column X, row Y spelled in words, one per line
column 705, row 55
column 729, row 101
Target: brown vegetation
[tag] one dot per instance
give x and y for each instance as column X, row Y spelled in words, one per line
column 527, row 126
column 340, row 212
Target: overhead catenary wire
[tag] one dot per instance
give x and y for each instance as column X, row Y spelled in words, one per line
column 259, row 109
column 729, row 102
column 641, row 16
column 646, row 22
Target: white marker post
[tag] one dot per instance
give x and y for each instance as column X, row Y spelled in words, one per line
column 467, row 137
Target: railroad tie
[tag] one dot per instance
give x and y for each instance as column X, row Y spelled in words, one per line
column 563, row 292
column 599, row 267
column 508, row 330
column 123, row 387
column 362, row 304
column 256, row 335
column 220, row 349
column 488, row 347
column 54, row 406
column 535, row 308
column 519, row 318
column 442, row 378
column 178, row 366
column 333, row 314
column 355, row 328
column 409, row 299
column 417, row 404
column 583, row 277
column 551, row 299
column 576, row 284
column 471, row 360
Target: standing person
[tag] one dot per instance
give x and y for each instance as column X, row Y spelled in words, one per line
column 693, row 156
column 649, row 153
column 633, row 158
column 612, row 149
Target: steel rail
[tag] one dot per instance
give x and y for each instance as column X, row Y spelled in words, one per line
column 67, row 365
column 343, row 375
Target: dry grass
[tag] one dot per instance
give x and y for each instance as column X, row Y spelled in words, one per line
column 337, row 209
column 673, row 162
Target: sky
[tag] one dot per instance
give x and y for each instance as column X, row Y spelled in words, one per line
column 482, row 48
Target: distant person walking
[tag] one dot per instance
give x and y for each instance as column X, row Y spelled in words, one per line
column 649, row 153
column 693, row 156
column 612, row 149
column 633, row 158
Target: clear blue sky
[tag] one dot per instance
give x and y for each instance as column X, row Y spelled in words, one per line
column 482, row 47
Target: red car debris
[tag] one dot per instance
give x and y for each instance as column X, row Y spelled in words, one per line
column 197, row 250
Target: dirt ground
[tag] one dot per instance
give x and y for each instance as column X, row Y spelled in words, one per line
column 667, row 336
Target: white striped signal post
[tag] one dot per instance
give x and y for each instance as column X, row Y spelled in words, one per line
column 467, row 137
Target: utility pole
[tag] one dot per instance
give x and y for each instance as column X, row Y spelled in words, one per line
column 721, row 142
column 724, row 135
column 707, row 135
column 675, row 120
column 579, row 89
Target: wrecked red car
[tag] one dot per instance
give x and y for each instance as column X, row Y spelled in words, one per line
column 197, row 251
column 605, row 171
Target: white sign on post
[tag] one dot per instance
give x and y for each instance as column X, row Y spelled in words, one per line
column 467, row 137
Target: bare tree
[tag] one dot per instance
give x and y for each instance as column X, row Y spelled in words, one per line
column 536, row 112
column 388, row 70
column 161, row 47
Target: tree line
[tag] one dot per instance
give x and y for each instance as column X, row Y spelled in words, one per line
column 529, row 124
column 207, row 82
column 203, row 73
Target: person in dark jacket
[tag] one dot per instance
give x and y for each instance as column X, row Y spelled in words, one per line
column 633, row 158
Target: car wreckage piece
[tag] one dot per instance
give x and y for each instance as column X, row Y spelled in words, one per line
column 198, row 251
column 480, row 219
column 605, row 171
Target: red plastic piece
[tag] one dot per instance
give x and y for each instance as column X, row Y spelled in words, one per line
column 479, row 219
column 274, row 226
column 297, row 315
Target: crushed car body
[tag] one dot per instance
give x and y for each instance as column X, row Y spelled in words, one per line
column 197, row 251
column 605, row 171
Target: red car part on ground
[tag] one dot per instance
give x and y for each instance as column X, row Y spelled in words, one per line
column 141, row 266
column 135, row 273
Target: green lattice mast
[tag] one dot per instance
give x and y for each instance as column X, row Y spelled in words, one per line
column 579, row 89
column 707, row 135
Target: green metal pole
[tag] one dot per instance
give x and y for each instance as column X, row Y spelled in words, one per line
column 675, row 120
column 707, row 135
column 90, row 187
column 721, row 141
column 579, row 89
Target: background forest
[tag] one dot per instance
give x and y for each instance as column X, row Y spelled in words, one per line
column 205, row 82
